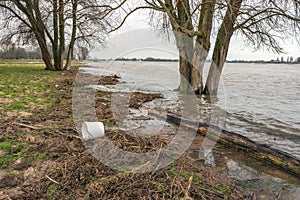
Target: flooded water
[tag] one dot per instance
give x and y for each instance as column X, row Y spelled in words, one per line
column 262, row 101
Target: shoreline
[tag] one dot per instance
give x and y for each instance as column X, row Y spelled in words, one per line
column 51, row 161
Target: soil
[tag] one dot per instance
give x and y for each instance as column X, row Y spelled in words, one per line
column 56, row 165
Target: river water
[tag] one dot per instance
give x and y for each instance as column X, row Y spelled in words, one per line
column 261, row 101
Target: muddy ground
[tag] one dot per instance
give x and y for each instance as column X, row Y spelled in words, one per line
column 47, row 159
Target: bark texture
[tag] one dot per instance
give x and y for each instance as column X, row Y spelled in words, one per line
column 221, row 48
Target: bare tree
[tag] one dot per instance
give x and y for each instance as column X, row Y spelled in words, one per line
column 53, row 23
column 10, row 50
column 263, row 23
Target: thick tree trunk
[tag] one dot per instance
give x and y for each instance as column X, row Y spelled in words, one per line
column 202, row 45
column 185, row 71
column 192, row 56
column 69, row 58
column 46, row 57
column 221, row 48
column 38, row 28
column 73, row 37
column 197, row 69
column 185, row 45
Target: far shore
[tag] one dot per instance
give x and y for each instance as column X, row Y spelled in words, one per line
column 176, row 60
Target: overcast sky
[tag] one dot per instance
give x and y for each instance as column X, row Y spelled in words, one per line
column 137, row 39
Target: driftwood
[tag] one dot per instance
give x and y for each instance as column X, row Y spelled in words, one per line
column 263, row 152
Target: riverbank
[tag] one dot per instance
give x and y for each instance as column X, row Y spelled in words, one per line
column 42, row 156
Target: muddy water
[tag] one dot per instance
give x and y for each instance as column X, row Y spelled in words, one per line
column 262, row 101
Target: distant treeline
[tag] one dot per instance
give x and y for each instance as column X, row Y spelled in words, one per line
column 15, row 52
column 290, row 60
column 263, row 61
column 148, row 59
column 151, row 59
column 12, row 51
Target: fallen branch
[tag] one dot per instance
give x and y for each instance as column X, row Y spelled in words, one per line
column 41, row 128
column 66, row 135
column 263, row 152
column 27, row 126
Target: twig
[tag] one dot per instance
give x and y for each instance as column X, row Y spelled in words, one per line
column 190, row 183
column 176, row 5
column 58, row 133
column 212, row 192
column 27, row 126
column 52, row 180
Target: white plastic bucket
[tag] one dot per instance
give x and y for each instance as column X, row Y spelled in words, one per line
column 92, row 130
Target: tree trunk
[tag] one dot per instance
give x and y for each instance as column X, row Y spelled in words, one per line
column 46, row 57
column 55, row 32
column 73, row 37
column 185, row 71
column 35, row 18
column 261, row 152
column 185, row 45
column 61, row 50
column 202, row 45
column 69, row 58
column 221, row 48
column 197, row 69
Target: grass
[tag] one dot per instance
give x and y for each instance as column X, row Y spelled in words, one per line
column 223, row 189
column 11, row 146
column 108, row 122
column 24, row 85
column 12, row 149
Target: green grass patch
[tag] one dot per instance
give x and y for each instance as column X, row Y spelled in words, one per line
column 11, row 146
column 185, row 175
column 41, row 156
column 108, row 122
column 12, row 150
column 24, row 85
column 10, row 171
column 5, row 160
column 225, row 190
column 173, row 173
